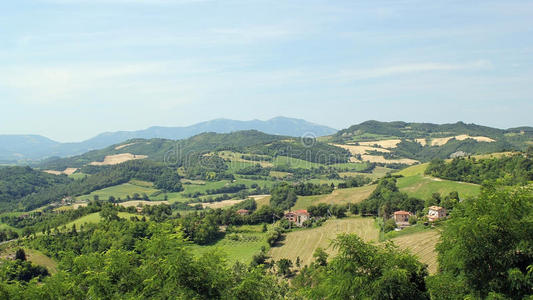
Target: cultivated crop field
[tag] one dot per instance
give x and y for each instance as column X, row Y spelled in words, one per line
column 302, row 243
column 422, row 244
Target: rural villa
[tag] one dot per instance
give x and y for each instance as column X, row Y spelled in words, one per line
column 436, row 212
column 401, row 218
column 243, row 212
column 297, row 217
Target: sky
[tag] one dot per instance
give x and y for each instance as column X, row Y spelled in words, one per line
column 71, row 69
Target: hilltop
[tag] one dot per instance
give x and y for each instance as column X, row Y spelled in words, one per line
column 21, row 148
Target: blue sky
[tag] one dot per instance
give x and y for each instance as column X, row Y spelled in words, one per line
column 70, row 69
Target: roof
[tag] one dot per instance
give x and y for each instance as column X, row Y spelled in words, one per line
column 243, row 211
column 435, row 208
column 402, row 212
column 298, row 212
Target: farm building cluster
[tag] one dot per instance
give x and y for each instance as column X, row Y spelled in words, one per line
column 435, row 213
column 298, row 217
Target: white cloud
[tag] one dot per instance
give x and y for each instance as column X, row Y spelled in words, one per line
column 59, row 84
column 125, row 1
column 409, row 68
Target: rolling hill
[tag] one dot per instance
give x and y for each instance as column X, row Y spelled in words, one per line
column 21, row 148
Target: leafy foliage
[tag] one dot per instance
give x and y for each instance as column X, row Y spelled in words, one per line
column 386, row 199
column 363, row 271
column 516, row 169
column 487, row 247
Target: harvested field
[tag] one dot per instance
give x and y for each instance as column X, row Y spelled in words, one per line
column 124, row 146
column 67, row 171
column 220, row 204
column 382, row 143
column 354, row 150
column 462, row 137
column 381, row 159
column 117, row 159
column 303, row 243
column 136, row 203
column 422, row 244
column 422, row 142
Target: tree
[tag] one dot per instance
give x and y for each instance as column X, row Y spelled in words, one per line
column 284, row 266
column 320, row 256
column 389, row 225
column 20, row 254
column 487, row 246
column 108, row 213
column 365, row 271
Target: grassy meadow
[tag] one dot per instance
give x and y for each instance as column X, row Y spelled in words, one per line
column 241, row 245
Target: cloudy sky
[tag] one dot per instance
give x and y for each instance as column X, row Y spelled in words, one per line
column 70, row 69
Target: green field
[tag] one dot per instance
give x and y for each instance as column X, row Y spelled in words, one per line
column 413, row 170
column 302, row 243
column 77, row 176
column 4, row 226
column 285, row 161
column 123, row 190
column 250, row 240
column 95, row 218
column 424, row 186
column 339, row 196
column 32, row 255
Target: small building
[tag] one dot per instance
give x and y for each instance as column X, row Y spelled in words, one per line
column 298, row 217
column 401, row 218
column 243, row 212
column 436, row 212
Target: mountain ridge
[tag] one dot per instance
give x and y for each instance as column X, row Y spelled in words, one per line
column 15, row 148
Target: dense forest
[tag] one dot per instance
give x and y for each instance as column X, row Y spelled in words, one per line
column 510, row 170
column 39, row 189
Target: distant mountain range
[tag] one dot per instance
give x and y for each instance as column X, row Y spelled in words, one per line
column 21, row 148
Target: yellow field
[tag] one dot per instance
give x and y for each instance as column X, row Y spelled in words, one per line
column 136, row 203
column 340, row 196
column 67, row 171
column 382, row 143
column 302, row 243
column 354, row 149
column 422, row 244
column 117, row 159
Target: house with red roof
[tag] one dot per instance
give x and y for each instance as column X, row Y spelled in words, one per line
column 401, row 218
column 298, row 217
column 243, row 212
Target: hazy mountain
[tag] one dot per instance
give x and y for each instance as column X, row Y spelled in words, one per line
column 33, row 147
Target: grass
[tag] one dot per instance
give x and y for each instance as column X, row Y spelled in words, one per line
column 422, row 245
column 78, row 176
column 303, row 243
column 339, row 196
column 250, row 240
column 4, row 226
column 286, row 161
column 413, row 170
column 424, row 186
column 95, row 218
column 123, row 190
column 34, row 256
column 40, row 259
